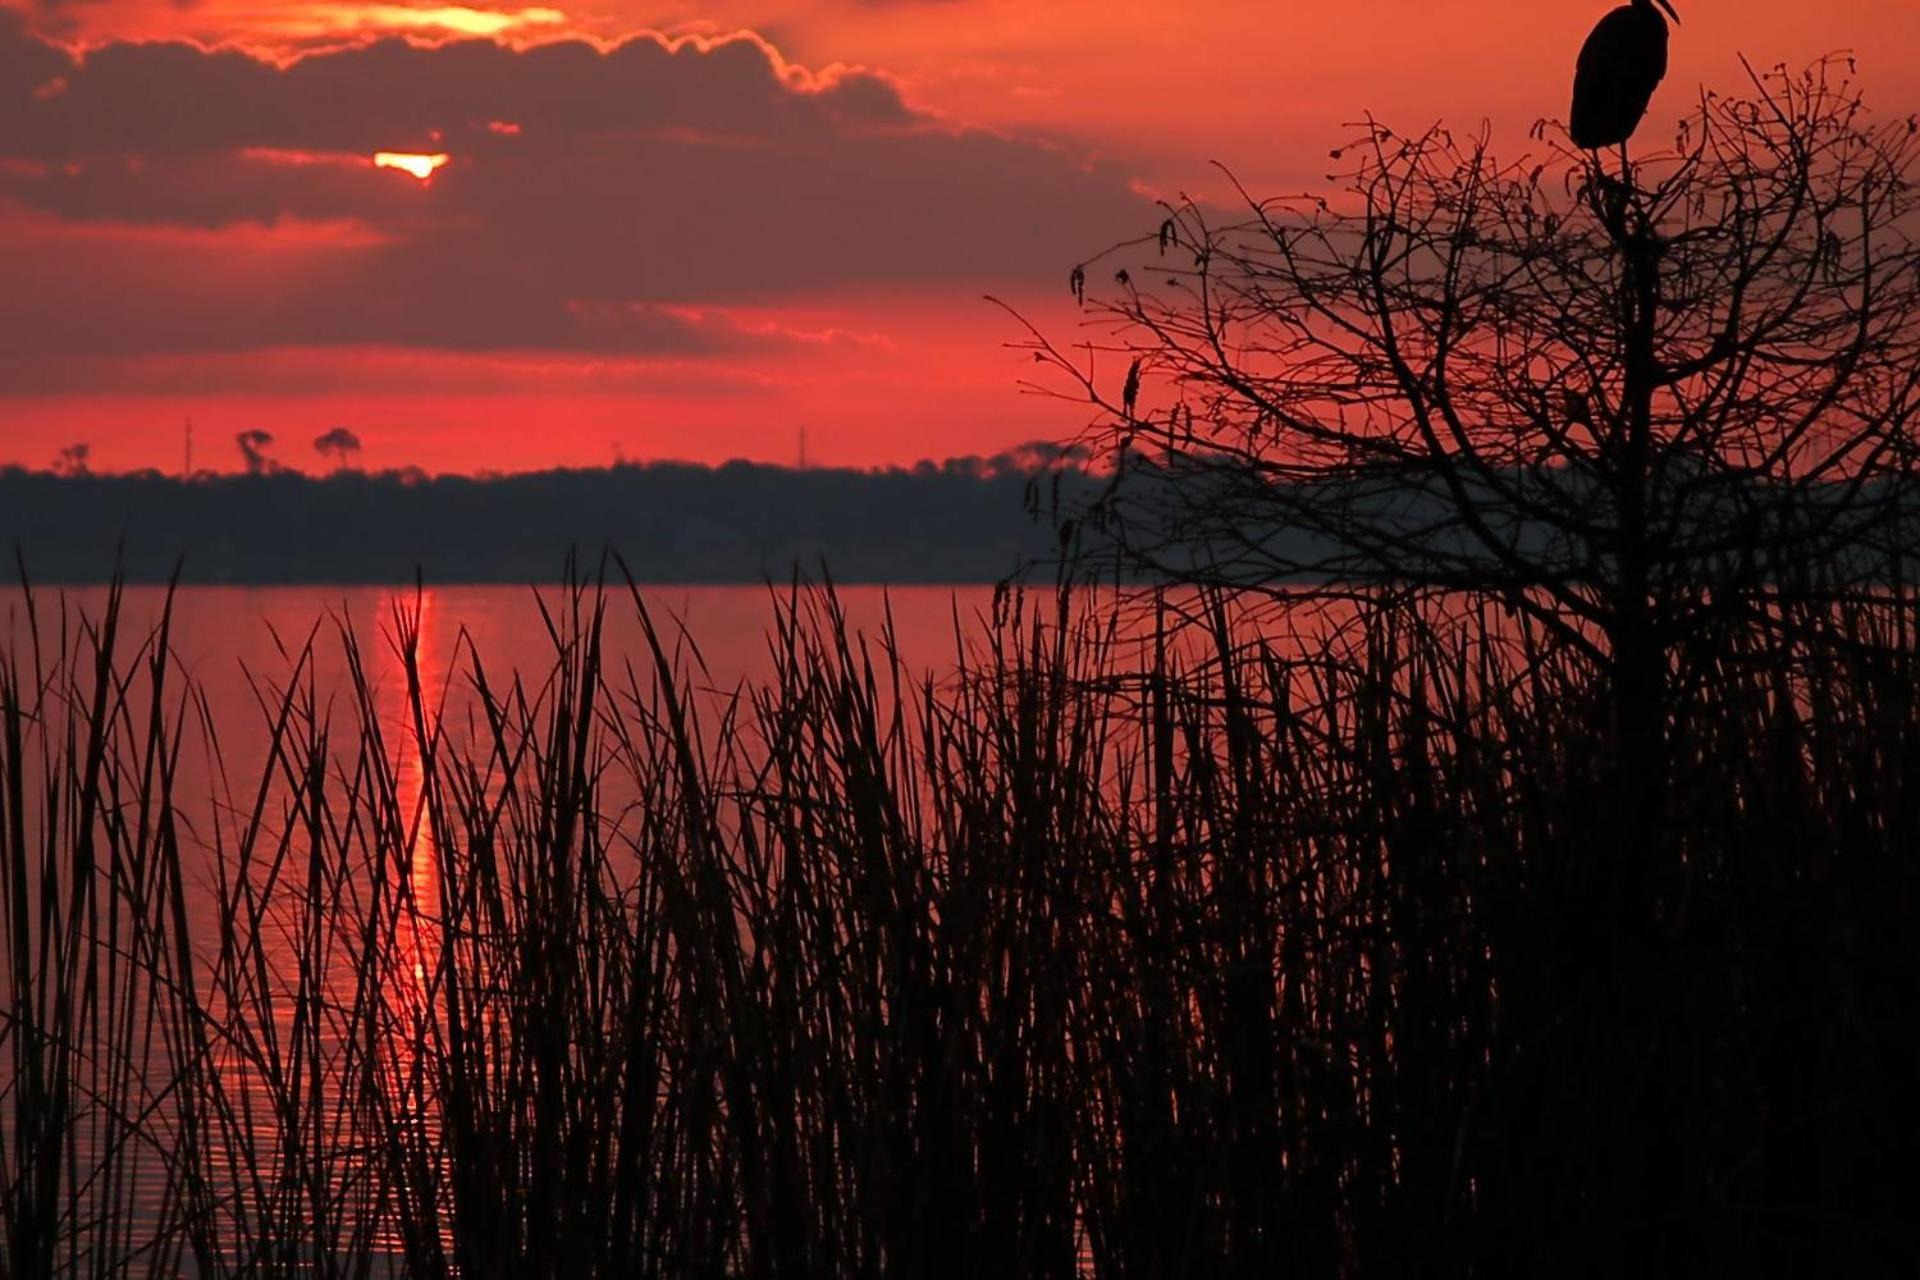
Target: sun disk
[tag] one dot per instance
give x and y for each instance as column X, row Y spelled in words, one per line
column 419, row 165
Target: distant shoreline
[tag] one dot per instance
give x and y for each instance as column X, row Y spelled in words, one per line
column 967, row 521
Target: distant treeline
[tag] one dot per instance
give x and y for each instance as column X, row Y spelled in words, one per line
column 965, row 520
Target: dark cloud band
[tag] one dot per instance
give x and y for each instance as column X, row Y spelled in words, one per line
column 584, row 183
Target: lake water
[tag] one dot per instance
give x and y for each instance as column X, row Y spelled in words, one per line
column 227, row 638
column 240, row 647
column 241, row 814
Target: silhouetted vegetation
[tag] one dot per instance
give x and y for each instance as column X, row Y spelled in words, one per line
column 338, row 443
column 1660, row 412
column 1162, row 948
column 960, row 521
column 253, row 444
column 1624, row 407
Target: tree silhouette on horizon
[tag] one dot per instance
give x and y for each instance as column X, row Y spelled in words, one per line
column 337, row 443
column 253, row 444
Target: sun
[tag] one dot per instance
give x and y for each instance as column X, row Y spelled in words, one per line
column 419, row 165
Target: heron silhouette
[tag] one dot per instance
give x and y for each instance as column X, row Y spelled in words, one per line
column 1620, row 65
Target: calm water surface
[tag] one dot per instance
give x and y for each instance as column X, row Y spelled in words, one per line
column 240, row 647
column 227, row 638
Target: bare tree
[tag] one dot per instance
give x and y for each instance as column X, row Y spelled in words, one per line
column 1624, row 404
column 337, row 443
column 253, row 444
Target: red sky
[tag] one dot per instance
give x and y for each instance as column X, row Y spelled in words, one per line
column 680, row 229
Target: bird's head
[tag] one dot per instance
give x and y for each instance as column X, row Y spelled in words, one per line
column 1664, row 5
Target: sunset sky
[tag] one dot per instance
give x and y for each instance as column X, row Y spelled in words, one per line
column 680, row 229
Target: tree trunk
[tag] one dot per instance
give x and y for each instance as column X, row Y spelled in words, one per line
column 1639, row 684
column 1635, row 1003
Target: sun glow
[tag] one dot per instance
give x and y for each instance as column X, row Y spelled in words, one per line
column 460, row 18
column 420, row 166
column 314, row 20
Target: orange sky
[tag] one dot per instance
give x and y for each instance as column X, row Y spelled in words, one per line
column 678, row 229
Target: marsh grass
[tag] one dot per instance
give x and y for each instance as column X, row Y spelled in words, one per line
column 1139, row 945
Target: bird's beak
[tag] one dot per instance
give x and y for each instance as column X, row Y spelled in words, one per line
column 1670, row 13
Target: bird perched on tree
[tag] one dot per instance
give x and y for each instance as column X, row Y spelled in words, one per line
column 1620, row 64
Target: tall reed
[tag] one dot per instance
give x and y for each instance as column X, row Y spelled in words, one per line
column 1140, row 942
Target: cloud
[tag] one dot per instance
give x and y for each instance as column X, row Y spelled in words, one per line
column 597, row 198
